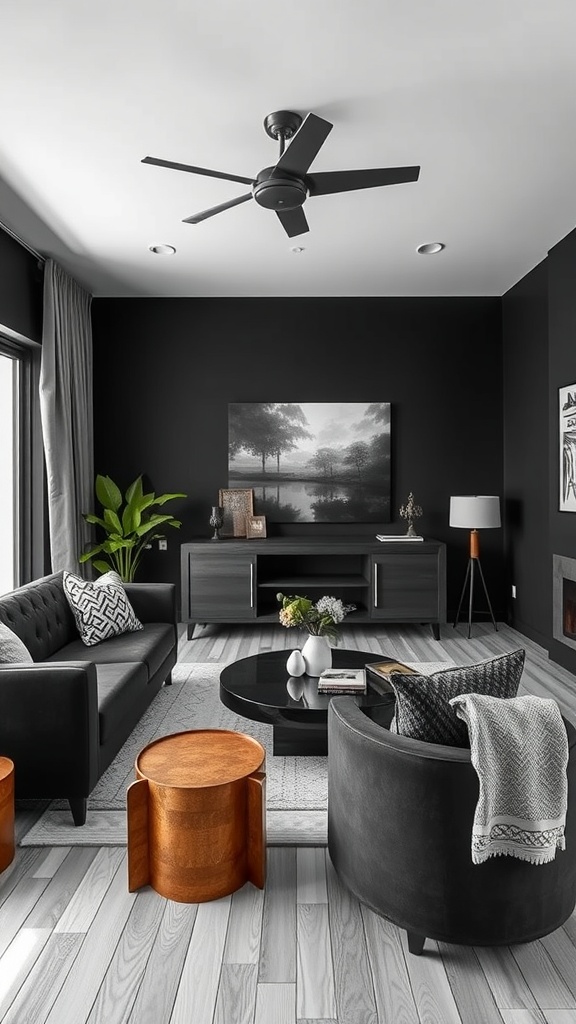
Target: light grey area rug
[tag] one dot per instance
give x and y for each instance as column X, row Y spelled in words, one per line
column 296, row 787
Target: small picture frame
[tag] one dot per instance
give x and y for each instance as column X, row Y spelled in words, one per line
column 255, row 526
column 238, row 503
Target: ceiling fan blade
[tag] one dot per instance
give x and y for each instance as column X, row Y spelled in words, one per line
column 326, row 183
column 196, row 170
column 205, row 214
column 293, row 221
column 302, row 149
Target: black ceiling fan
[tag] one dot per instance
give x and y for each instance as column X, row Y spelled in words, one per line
column 286, row 186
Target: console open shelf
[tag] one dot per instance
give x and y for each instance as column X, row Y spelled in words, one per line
column 299, row 582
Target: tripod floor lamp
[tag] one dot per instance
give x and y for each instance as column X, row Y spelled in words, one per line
column 474, row 512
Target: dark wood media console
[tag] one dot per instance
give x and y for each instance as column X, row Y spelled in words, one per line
column 236, row 580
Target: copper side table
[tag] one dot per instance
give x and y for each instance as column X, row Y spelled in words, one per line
column 6, row 812
column 196, row 815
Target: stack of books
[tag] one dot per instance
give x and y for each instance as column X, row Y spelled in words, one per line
column 381, row 670
column 396, row 536
column 342, row 680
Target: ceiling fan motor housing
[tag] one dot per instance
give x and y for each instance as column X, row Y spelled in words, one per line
column 282, row 124
column 278, row 192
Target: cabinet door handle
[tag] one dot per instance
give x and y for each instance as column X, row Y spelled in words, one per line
column 375, row 586
column 252, row 584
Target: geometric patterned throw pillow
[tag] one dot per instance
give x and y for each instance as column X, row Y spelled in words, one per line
column 101, row 608
column 12, row 649
column 422, row 708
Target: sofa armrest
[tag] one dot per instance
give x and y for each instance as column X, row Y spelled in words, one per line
column 49, row 726
column 153, row 602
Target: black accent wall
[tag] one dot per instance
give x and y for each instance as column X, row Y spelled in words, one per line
column 539, row 336
column 525, row 331
column 166, row 369
column 561, row 371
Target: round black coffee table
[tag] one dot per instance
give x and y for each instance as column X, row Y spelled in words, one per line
column 260, row 688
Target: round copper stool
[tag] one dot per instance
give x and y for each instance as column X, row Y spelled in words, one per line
column 6, row 812
column 196, row 815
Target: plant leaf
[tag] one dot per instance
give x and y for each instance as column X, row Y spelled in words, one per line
column 134, row 492
column 131, row 519
column 90, row 518
column 90, row 554
column 111, row 545
column 108, row 493
column 152, row 523
column 147, row 500
column 112, row 522
column 163, row 498
column 101, row 566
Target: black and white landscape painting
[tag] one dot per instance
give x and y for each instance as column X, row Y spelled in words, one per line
column 312, row 462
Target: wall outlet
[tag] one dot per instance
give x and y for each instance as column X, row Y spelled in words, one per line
column 513, row 590
column 162, row 544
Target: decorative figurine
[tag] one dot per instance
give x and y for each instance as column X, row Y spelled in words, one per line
column 216, row 520
column 411, row 511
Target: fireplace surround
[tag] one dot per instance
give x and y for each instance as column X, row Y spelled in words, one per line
column 564, row 600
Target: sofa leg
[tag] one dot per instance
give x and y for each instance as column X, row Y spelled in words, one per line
column 168, row 680
column 415, row 942
column 78, row 807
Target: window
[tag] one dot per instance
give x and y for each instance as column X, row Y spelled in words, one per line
column 21, row 466
column 9, row 548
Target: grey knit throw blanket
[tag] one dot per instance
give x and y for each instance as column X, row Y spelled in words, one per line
column 519, row 749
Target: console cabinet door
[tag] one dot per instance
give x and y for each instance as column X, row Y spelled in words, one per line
column 222, row 589
column 406, row 587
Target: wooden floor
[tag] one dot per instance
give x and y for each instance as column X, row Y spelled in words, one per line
column 76, row 946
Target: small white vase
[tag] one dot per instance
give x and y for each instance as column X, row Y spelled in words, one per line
column 317, row 655
column 295, row 664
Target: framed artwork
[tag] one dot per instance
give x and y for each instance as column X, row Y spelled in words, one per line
column 313, row 462
column 238, row 503
column 567, row 447
column 255, row 526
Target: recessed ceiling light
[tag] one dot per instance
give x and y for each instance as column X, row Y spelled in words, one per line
column 297, row 248
column 430, row 248
column 162, row 250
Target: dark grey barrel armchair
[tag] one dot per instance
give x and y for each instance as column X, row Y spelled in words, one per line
column 400, row 816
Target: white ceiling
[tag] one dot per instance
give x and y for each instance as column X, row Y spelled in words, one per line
column 481, row 94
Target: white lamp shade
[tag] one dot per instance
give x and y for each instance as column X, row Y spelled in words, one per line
column 475, row 511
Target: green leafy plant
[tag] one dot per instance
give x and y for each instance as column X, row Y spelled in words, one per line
column 129, row 524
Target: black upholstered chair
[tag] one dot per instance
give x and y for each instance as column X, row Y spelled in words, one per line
column 400, row 818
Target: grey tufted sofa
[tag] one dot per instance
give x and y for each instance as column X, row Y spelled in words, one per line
column 64, row 718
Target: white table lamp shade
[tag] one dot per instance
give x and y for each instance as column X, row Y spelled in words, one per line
column 475, row 511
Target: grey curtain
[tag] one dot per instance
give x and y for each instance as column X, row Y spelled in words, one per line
column 67, row 415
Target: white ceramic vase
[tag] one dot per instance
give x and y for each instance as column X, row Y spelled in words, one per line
column 317, row 655
column 295, row 664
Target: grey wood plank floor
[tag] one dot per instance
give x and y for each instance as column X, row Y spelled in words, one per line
column 77, row 947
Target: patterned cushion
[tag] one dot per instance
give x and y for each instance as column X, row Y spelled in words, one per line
column 101, row 609
column 423, row 711
column 12, row 650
